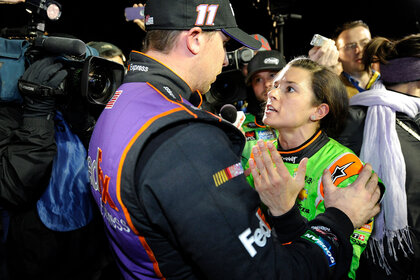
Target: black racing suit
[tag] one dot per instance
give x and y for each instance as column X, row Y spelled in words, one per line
column 176, row 203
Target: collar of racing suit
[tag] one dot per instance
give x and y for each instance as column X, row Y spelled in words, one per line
column 144, row 68
column 307, row 149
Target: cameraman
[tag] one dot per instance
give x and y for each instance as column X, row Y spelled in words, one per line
column 53, row 232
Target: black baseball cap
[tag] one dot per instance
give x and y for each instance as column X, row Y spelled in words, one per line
column 186, row 14
column 265, row 60
column 106, row 49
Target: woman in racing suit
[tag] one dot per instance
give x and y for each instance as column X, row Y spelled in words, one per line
column 308, row 101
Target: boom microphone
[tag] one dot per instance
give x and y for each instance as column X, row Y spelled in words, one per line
column 61, row 45
column 229, row 113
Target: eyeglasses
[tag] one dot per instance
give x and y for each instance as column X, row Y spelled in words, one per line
column 353, row 45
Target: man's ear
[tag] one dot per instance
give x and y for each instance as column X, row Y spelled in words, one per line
column 195, row 40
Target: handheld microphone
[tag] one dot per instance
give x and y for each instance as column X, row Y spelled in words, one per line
column 228, row 112
column 61, row 45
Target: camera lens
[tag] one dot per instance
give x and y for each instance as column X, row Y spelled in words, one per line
column 102, row 77
column 99, row 85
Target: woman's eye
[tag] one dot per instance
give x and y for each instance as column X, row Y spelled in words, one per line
column 290, row 89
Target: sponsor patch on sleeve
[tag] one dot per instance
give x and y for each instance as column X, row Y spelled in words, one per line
column 228, row 173
column 322, row 243
column 344, row 167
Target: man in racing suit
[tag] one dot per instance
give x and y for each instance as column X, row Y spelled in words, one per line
column 167, row 176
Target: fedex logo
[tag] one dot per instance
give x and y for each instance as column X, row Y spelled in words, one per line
column 258, row 237
column 99, row 180
column 100, row 183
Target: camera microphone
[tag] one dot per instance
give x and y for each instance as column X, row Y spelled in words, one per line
column 229, row 113
column 61, row 45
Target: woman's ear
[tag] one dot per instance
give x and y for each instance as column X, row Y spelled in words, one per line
column 321, row 111
column 195, row 40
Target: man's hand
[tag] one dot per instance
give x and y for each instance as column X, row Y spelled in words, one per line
column 327, row 55
column 38, row 84
column 11, row 1
column 139, row 22
column 359, row 201
column 277, row 189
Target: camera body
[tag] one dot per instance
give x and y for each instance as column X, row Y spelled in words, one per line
column 238, row 58
column 229, row 87
column 318, row 40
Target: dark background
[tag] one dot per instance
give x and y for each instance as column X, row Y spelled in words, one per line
column 94, row 20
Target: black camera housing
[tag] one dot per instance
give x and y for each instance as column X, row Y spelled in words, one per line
column 93, row 77
column 239, row 58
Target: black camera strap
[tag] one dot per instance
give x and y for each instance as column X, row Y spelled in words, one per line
column 30, row 88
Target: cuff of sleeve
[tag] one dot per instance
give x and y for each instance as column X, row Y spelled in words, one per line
column 288, row 225
column 38, row 122
column 336, row 219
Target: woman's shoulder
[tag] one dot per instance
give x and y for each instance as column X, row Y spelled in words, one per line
column 351, row 135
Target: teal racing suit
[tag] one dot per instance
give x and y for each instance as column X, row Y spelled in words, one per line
column 325, row 153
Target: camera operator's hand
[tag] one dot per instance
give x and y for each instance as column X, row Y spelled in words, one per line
column 140, row 22
column 11, row 1
column 39, row 85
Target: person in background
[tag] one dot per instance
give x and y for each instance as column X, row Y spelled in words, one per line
column 109, row 51
column 168, row 179
column 384, row 128
column 261, row 71
column 351, row 39
column 306, row 103
column 345, row 58
column 43, row 158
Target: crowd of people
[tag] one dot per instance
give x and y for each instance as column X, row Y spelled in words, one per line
column 321, row 181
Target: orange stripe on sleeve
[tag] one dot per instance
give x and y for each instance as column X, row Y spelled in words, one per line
column 124, row 155
column 118, row 191
column 152, row 257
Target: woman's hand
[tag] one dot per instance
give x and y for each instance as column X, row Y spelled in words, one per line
column 277, row 189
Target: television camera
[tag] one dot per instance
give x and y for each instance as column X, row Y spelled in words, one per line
column 89, row 75
column 229, row 87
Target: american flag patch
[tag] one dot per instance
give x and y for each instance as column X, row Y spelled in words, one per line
column 228, row 173
column 114, row 98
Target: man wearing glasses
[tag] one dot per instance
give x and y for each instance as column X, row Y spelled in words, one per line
column 344, row 56
column 351, row 39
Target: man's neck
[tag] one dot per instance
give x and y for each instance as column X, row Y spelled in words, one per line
column 362, row 77
column 173, row 61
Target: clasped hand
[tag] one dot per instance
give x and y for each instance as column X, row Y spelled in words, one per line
column 278, row 190
column 276, row 187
